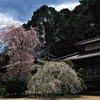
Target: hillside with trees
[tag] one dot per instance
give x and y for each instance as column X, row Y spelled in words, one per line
column 63, row 28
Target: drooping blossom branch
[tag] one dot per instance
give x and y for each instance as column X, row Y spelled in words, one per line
column 19, row 46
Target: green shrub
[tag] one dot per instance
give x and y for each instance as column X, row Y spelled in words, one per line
column 2, row 92
column 16, row 86
column 2, row 87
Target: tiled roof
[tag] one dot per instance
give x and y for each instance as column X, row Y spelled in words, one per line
column 38, row 53
column 66, row 56
column 84, row 55
column 91, row 40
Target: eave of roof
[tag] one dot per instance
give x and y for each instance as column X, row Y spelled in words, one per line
column 83, row 56
column 91, row 40
column 38, row 53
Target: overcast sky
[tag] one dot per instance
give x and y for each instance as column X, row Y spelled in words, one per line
column 12, row 11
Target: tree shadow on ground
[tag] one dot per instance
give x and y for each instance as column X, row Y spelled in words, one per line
column 54, row 97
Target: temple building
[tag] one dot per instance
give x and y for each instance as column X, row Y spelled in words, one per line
column 88, row 58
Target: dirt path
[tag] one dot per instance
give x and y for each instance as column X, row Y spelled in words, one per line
column 75, row 98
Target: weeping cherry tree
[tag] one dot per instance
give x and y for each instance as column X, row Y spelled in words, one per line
column 19, row 45
column 55, row 78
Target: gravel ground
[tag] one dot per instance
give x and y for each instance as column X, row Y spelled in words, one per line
column 71, row 98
